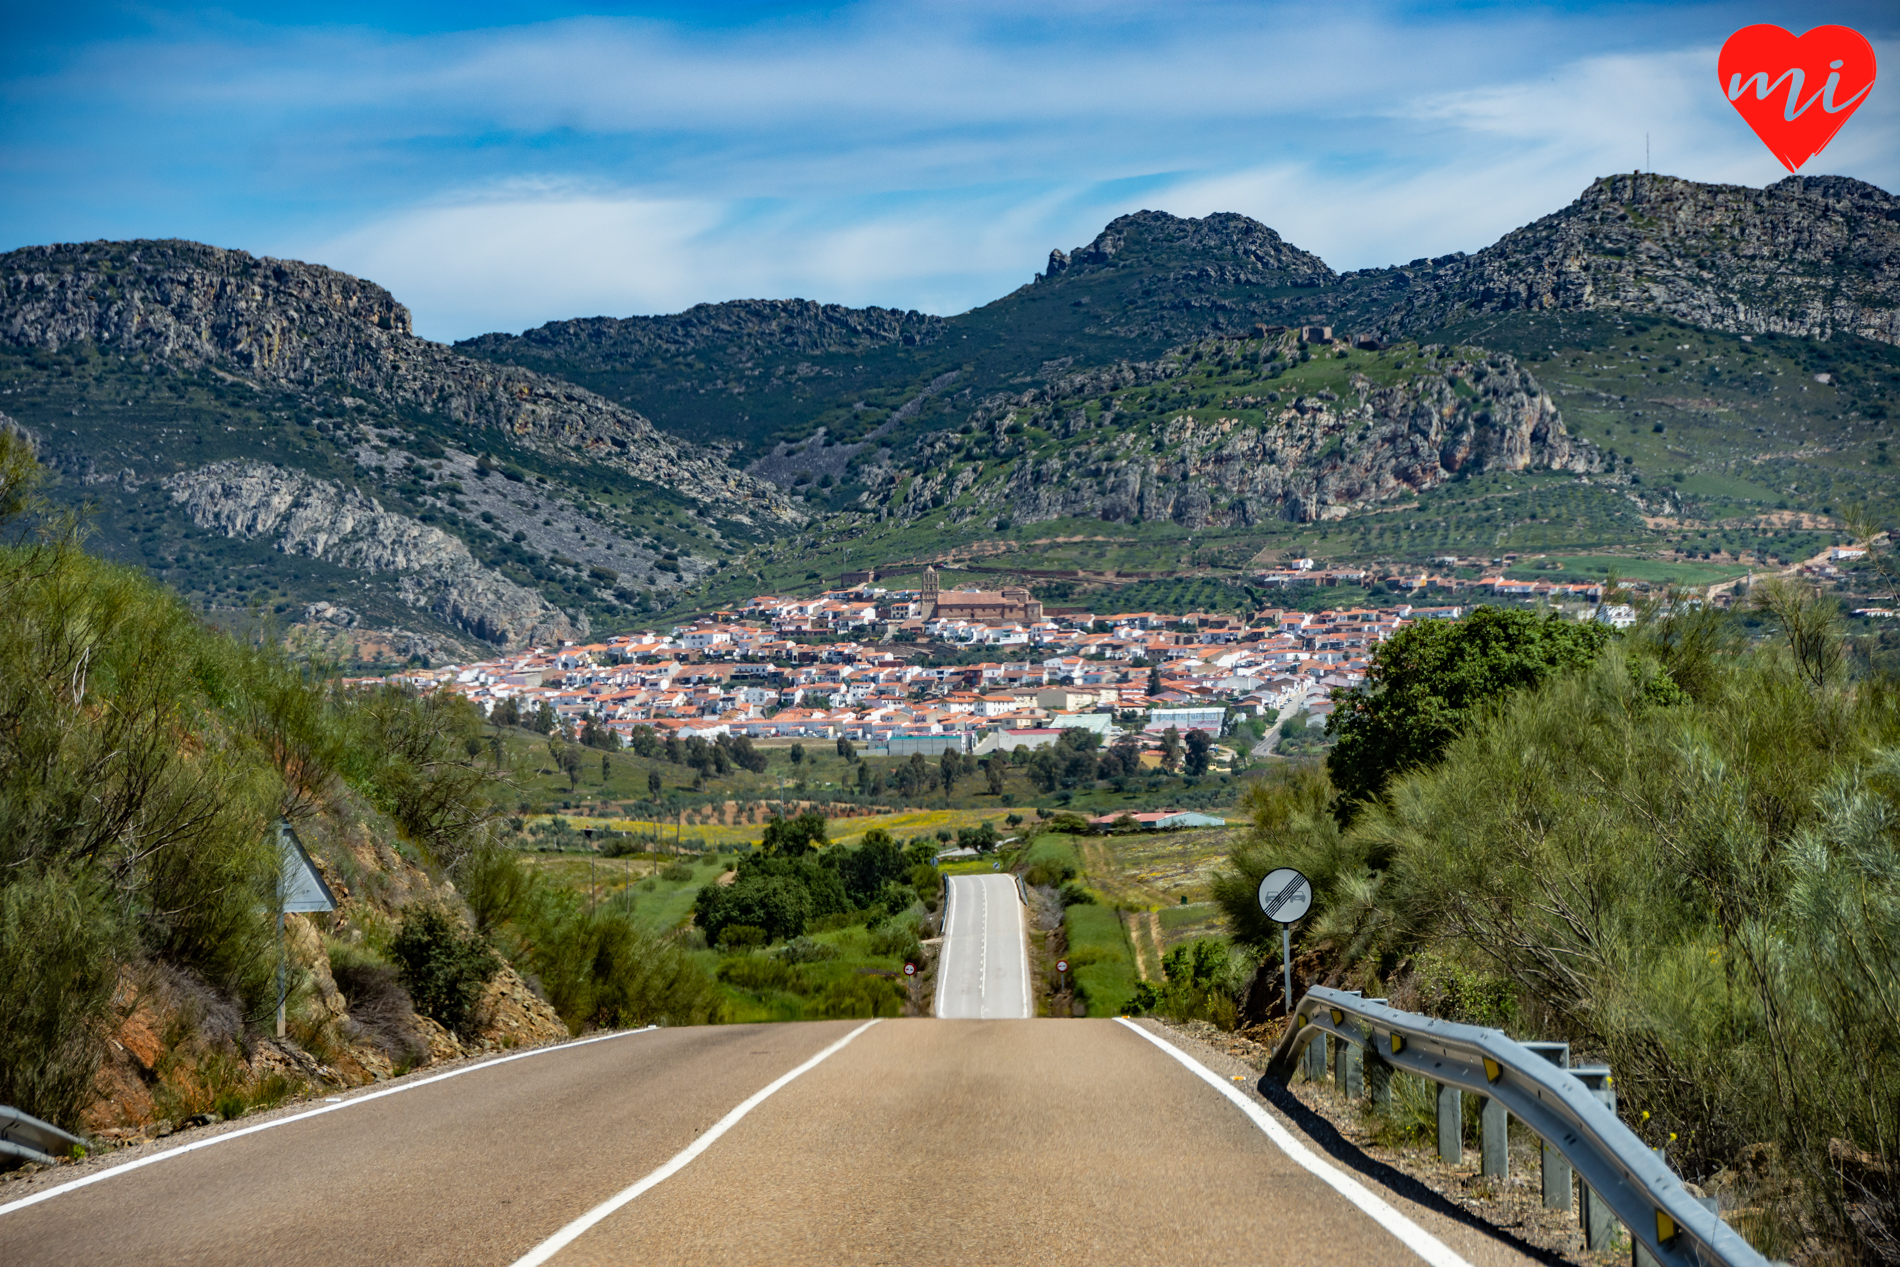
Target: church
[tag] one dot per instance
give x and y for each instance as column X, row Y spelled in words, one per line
column 1008, row 606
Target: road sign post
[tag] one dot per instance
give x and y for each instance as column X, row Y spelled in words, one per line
column 1062, row 970
column 300, row 888
column 1285, row 897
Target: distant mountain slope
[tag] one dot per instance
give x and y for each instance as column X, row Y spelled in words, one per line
column 1809, row 255
column 304, row 325
column 755, row 372
column 267, row 432
column 1812, row 256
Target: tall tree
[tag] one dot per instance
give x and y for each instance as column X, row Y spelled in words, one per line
column 1433, row 677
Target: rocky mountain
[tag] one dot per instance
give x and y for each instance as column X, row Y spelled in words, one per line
column 270, row 433
column 305, row 326
column 758, row 374
column 1812, row 256
column 329, row 520
column 1223, row 249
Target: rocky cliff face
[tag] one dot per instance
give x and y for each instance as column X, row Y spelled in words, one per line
column 318, row 519
column 1258, row 454
column 285, row 322
column 1809, row 255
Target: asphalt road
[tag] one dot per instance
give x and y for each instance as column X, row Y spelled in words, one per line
column 915, row 1142
column 983, row 973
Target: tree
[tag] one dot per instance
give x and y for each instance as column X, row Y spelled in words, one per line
column 569, row 759
column 845, row 749
column 597, row 734
column 951, row 767
column 793, row 837
column 653, row 784
column 864, row 777
column 506, row 712
column 1199, row 756
column 606, row 767
column 1430, row 679
column 798, row 754
column 544, row 721
column 1171, row 749
column 1154, row 681
column 993, row 771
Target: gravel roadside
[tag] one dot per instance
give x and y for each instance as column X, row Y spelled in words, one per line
column 1509, row 1212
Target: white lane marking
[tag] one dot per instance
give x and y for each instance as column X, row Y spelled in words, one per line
column 949, row 940
column 328, row 1107
column 573, row 1231
column 1022, row 946
column 983, row 957
column 1410, row 1234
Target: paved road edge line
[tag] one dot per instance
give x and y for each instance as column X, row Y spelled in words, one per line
column 1410, row 1234
column 943, row 953
column 194, row 1146
column 1022, row 944
column 573, row 1231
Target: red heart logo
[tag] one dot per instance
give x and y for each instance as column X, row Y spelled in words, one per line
column 1796, row 91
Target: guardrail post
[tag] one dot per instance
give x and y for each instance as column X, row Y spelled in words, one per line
column 1451, row 1125
column 1557, row 1173
column 1316, row 1059
column 1347, row 1079
column 1599, row 1225
column 1494, row 1139
column 1378, row 1073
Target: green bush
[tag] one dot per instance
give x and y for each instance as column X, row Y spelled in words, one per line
column 897, row 941
column 761, row 972
column 677, row 873
column 805, row 950
column 60, row 944
column 443, row 967
column 741, row 937
column 862, row 996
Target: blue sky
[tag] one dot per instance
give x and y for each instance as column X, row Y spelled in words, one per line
column 500, row 166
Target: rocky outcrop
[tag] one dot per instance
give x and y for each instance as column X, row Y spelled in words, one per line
column 321, row 519
column 1311, row 457
column 310, row 327
column 1225, row 249
column 1809, row 255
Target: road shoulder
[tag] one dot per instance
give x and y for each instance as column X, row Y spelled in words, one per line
column 1439, row 1203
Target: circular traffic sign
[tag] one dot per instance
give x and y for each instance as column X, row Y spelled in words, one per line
column 1062, row 965
column 910, row 969
column 1286, row 895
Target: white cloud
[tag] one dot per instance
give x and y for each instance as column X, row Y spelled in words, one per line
column 907, row 155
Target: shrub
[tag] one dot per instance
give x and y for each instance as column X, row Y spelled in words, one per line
column 805, row 950
column 897, row 941
column 1074, row 894
column 380, row 1009
column 677, row 873
column 862, row 995
column 761, row 972
column 740, row 936
column 60, row 941
column 443, row 967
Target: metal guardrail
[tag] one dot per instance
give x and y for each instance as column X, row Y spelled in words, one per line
column 1612, row 1162
column 27, row 1139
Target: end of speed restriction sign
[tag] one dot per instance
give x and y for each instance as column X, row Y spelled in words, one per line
column 1286, row 895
